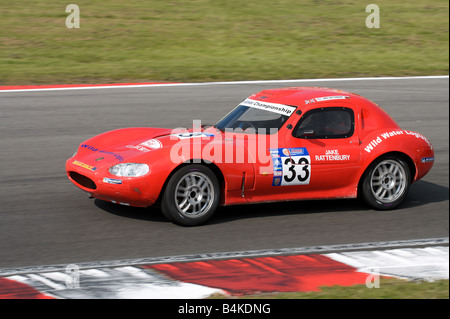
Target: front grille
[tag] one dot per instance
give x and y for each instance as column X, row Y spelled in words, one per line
column 83, row 180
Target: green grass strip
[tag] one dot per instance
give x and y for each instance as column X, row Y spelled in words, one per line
column 388, row 289
column 204, row 40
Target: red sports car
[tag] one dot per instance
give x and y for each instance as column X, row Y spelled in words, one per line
column 283, row 144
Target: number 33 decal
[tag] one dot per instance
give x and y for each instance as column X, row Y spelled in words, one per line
column 296, row 170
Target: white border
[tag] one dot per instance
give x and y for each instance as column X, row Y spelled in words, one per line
column 126, row 86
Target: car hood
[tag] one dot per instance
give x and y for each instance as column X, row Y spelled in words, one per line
column 121, row 145
column 132, row 144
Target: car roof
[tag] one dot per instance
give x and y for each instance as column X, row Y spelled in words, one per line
column 300, row 96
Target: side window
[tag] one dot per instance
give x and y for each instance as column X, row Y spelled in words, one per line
column 329, row 122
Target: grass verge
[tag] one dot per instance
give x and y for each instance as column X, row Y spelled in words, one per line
column 203, row 40
column 389, row 289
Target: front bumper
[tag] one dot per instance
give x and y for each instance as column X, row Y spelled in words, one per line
column 99, row 183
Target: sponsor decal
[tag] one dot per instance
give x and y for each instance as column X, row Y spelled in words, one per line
column 277, row 173
column 329, row 98
column 86, row 166
column 271, row 107
column 89, row 147
column 384, row 136
column 147, row 146
column 139, row 148
column 291, row 166
column 332, row 155
column 276, row 181
column 94, row 149
column 417, row 135
column 112, row 181
column 187, row 135
column 379, row 139
column 152, row 144
column 116, row 155
column 326, row 98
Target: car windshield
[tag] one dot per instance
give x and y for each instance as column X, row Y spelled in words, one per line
column 256, row 117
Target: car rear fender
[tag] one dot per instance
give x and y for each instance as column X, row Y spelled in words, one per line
column 412, row 147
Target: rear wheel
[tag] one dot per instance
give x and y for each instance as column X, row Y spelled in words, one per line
column 191, row 195
column 386, row 183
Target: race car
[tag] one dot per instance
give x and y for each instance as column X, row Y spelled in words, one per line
column 286, row 144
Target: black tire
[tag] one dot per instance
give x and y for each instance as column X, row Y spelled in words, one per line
column 386, row 183
column 191, row 196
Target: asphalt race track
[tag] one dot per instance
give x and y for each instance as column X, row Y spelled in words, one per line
column 45, row 220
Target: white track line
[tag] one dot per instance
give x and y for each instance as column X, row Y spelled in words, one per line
column 411, row 263
column 120, row 283
column 224, row 83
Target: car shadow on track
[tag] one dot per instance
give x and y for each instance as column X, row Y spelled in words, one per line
column 231, row 213
column 421, row 193
column 151, row 214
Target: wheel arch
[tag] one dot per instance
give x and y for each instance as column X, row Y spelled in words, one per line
column 211, row 165
column 403, row 156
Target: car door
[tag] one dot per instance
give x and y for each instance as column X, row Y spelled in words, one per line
column 323, row 150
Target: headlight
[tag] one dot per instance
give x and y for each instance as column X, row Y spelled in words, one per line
column 129, row 169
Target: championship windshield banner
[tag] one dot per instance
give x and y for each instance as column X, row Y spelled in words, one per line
column 271, row 107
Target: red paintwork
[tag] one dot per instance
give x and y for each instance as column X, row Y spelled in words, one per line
column 375, row 134
column 11, row 289
column 265, row 274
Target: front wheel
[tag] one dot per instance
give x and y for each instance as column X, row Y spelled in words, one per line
column 191, row 195
column 386, row 183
